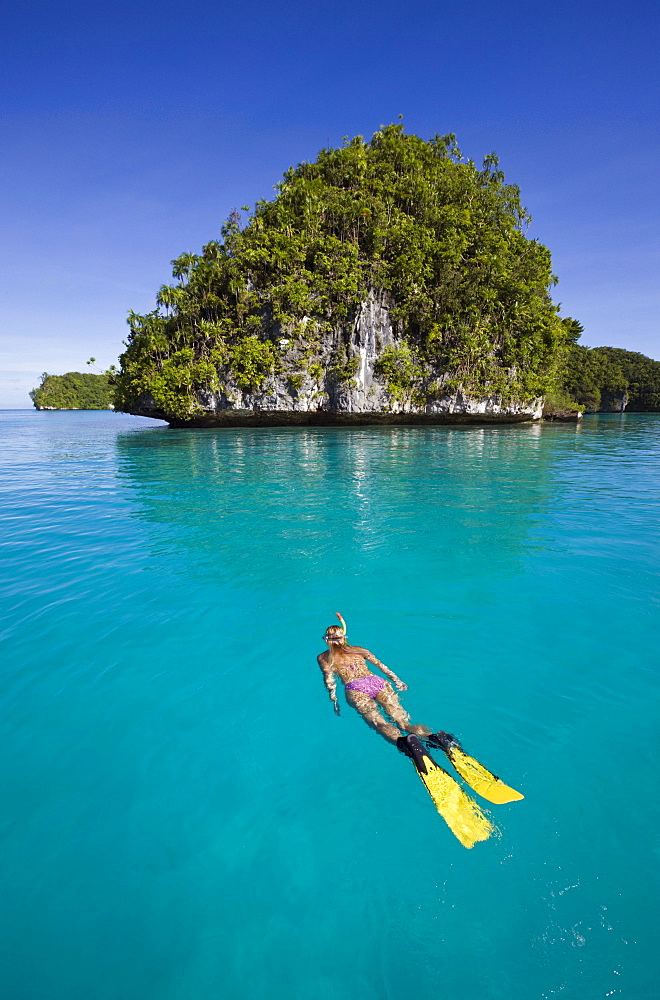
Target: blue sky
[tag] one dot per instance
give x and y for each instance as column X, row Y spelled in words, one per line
column 130, row 130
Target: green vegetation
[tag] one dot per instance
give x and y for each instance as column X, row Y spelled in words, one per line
column 251, row 360
column 600, row 378
column 345, row 371
column 437, row 239
column 402, row 370
column 641, row 373
column 560, row 401
column 73, row 391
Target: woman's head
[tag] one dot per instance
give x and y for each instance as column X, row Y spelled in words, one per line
column 335, row 635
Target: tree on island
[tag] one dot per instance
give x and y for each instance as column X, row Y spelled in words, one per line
column 442, row 242
column 73, row 391
column 610, row 378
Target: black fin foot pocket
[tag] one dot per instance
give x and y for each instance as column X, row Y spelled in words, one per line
column 412, row 748
column 442, row 741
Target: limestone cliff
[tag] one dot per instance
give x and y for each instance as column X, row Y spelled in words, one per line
column 308, row 387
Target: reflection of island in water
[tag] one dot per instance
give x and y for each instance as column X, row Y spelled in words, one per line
column 390, row 503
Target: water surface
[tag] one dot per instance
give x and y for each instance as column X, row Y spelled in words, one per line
column 184, row 816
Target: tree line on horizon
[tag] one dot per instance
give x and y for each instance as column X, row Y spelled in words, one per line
column 600, row 378
column 74, row 391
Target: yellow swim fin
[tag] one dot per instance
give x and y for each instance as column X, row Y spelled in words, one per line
column 477, row 776
column 461, row 813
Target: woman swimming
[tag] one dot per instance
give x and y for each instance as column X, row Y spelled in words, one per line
column 369, row 693
column 365, row 691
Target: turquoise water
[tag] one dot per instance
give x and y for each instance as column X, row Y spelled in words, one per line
column 184, row 816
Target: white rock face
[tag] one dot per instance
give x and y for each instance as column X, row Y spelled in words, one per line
column 363, row 399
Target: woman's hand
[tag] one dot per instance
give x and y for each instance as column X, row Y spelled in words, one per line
column 399, row 685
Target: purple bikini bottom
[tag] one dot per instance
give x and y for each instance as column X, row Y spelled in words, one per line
column 371, row 685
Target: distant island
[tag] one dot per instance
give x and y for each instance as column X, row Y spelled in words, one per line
column 391, row 280
column 611, row 380
column 73, row 391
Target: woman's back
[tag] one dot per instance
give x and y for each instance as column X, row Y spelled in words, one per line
column 348, row 662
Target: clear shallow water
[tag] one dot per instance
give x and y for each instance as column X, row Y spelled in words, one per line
column 183, row 815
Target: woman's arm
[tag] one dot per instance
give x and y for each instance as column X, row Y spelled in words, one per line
column 329, row 681
column 398, row 683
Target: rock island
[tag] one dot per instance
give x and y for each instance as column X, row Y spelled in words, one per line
column 391, row 280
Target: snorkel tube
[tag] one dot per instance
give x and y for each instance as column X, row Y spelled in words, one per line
column 342, row 622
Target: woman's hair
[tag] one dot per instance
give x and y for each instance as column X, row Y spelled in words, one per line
column 335, row 634
column 336, row 638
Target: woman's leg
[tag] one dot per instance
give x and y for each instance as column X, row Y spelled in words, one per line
column 389, row 699
column 368, row 709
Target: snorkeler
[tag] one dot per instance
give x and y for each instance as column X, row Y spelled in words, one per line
column 368, row 693
column 365, row 691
